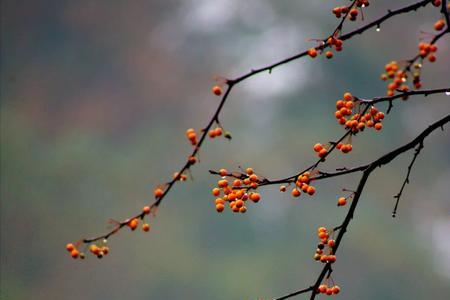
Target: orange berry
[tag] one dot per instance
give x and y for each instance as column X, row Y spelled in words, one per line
column 222, row 183
column 133, row 224
column 158, row 193
column 235, row 209
column 335, row 289
column 240, row 194
column 212, row 133
column 439, row 25
column 331, row 243
column 337, row 12
column 329, row 291
column 232, row 196
column 146, row 210
column 321, row 229
column 305, row 187
column 220, row 208
column 344, row 149
column 328, row 54
column 237, row 183
column 378, row 126
column 431, row 58
column 312, row 52
column 295, row 192
column 220, row 201
column 243, row 209
column 218, row 131
column 323, row 235
column 192, row 160
column 354, row 12
column 317, row 147
column 348, row 96
column 342, row 201
column 223, row 172
column 216, row 192
column 253, row 178
column 322, row 288
column 323, row 153
column 255, row 197
column 349, row 105
column 249, row 171
column 239, row 203
column 74, row 253
column 283, row 188
column 192, row 136
column 70, row 247
column 339, row 104
column 311, row 190
column 217, row 90
column 94, row 249
column 145, row 227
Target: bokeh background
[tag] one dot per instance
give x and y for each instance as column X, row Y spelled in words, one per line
column 96, row 97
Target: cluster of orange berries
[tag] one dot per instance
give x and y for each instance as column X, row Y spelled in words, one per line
column 301, row 185
column 356, row 122
column 192, row 136
column 134, row 223
column 235, row 191
column 325, row 244
column 101, row 250
column 398, row 78
column 329, row 290
column 339, row 11
column 426, row 50
column 332, row 42
column 74, row 252
column 98, row 251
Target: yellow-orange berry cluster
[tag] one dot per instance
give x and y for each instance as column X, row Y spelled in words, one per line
column 328, row 289
column 302, row 184
column 356, row 121
column 98, row 251
column 397, row 78
column 192, row 136
column 326, row 245
column 236, row 191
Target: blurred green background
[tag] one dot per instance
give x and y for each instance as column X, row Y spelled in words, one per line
column 96, row 97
